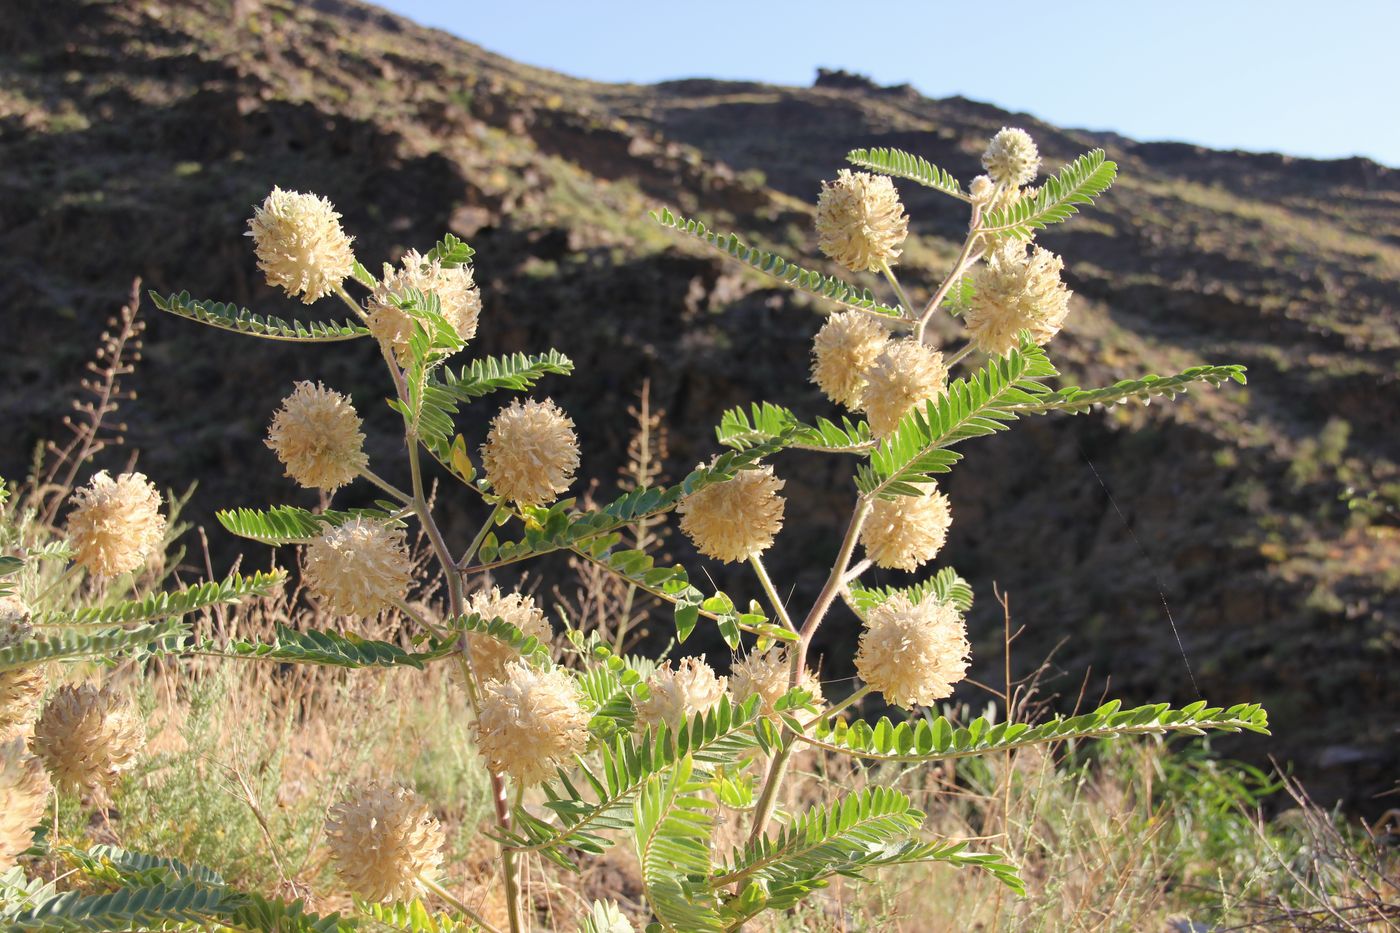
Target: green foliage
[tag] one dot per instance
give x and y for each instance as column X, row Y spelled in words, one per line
column 605, row 917
column 765, row 422
column 794, row 276
column 939, row 740
column 69, row 645
column 517, row 372
column 902, row 164
column 326, row 648
column 527, row 646
column 672, row 829
column 242, row 321
column 450, row 252
column 165, row 605
column 413, row 917
column 972, row 407
column 945, row 587
column 126, row 909
column 1074, row 400
column 1058, row 199
column 117, row 866
column 287, row 524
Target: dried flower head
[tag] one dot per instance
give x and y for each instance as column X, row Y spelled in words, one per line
column 531, row 722
column 316, row 434
column 115, row 524
column 981, row 189
column 489, row 655
column 24, row 792
column 860, row 222
column 675, row 695
column 735, row 519
column 1017, row 291
column 21, row 688
column 300, row 244
column 382, row 838
column 767, row 675
column 1011, row 157
column 358, row 568
column 531, row 452
column 845, row 347
column 907, row 373
column 459, row 300
column 87, row 737
column 913, row 654
column 902, row 533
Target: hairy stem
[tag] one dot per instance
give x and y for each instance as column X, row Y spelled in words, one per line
column 481, row 536
column 385, row 485
column 429, row 884
column 965, row 258
column 905, row 305
column 757, row 563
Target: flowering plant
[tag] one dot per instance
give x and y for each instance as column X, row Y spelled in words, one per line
column 586, row 746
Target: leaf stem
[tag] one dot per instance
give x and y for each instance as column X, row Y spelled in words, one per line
column 385, row 485
column 757, row 563
column 486, row 527
column 905, row 305
column 429, row 885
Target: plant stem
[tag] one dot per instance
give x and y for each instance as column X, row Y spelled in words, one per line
column 757, row 563
column 354, row 305
column 475, row 546
column 853, row 698
column 768, row 799
column 385, row 485
column 512, row 882
column 965, row 259
column 958, row 357
column 430, row 885
column 905, row 305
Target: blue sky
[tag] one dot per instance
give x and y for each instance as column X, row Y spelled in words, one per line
column 1293, row 76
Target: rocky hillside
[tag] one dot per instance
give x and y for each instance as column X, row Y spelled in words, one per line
column 135, row 135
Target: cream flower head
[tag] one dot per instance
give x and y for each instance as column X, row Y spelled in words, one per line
column 358, row 568
column 115, row 524
column 489, row 655
column 846, row 346
column 677, row 694
column 907, row 373
column 1011, row 157
column 382, row 838
column 735, row 519
column 531, row 723
column 767, row 675
column 316, row 434
column 531, row 452
column 1016, row 291
column 87, row 737
column 860, row 222
column 21, row 688
column 458, row 298
column 300, row 244
column 913, row 654
column 902, row 533
column 24, row 793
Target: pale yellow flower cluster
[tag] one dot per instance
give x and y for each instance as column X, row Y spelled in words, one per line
column 24, row 794
column 531, row 452
column 676, row 694
column 87, row 737
column 383, row 838
column 907, row 373
column 860, row 221
column 489, row 655
column 844, row 350
column 459, row 300
column 1012, row 157
column 736, row 519
column 21, row 688
column 115, row 524
column 913, row 653
column 905, row 532
column 767, row 676
column 300, row 244
column 316, row 434
column 358, row 568
column 530, row 723
column 1017, row 291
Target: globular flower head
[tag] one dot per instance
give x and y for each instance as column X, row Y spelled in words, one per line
column 316, row 434
column 913, row 653
column 530, row 723
column 1011, row 157
column 459, row 300
column 359, row 567
column 489, row 655
column 906, row 373
column 382, row 838
column 115, row 524
column 87, row 736
column 24, row 794
column 735, row 519
column 675, row 695
column 767, row 676
column 531, row 452
column 300, row 244
column 846, row 346
column 904, row 532
column 21, row 688
column 860, row 221
column 1017, row 291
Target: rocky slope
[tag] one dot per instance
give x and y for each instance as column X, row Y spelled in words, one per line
column 134, row 136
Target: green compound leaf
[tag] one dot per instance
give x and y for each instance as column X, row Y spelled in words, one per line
column 117, row 866
column 900, row 164
column 793, row 276
column 450, row 252
column 242, row 321
column 287, row 524
column 605, row 917
column 517, row 372
column 527, row 646
column 330, row 649
column 138, row 908
column 945, row 587
column 1074, row 400
column 70, row 645
column 1058, row 199
column 765, row 422
column 164, row 605
column 939, row 740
